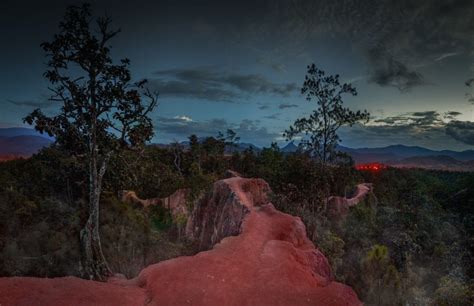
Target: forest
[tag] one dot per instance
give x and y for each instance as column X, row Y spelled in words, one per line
column 409, row 242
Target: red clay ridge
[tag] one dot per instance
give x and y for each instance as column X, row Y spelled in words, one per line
column 269, row 262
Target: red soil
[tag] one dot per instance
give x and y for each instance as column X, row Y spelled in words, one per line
column 29, row 291
column 271, row 262
column 338, row 207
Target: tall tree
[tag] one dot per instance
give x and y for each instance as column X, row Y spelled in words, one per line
column 101, row 112
column 321, row 126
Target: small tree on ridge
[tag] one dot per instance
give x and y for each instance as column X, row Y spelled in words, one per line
column 321, row 126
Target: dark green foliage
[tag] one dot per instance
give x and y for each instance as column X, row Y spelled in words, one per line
column 454, row 292
column 381, row 278
column 161, row 218
column 40, row 216
column 425, row 240
column 423, row 219
column 133, row 238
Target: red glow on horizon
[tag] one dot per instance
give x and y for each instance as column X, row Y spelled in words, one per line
column 371, row 167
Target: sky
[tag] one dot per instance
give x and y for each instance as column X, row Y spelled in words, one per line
column 241, row 64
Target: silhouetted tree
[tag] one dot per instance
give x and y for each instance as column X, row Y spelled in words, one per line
column 230, row 139
column 195, row 151
column 101, row 110
column 470, row 96
column 321, row 127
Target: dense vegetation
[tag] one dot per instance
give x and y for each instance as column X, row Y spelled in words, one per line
column 410, row 242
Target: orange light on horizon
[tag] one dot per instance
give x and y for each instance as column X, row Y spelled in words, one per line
column 370, row 167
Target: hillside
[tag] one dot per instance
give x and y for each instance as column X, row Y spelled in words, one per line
column 270, row 261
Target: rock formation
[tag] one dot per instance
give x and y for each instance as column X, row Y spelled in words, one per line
column 337, row 208
column 220, row 213
column 176, row 202
column 263, row 258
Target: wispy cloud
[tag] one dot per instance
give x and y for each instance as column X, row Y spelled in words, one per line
column 30, row 103
column 388, row 71
column 213, row 85
column 285, row 105
column 183, row 118
column 446, row 55
column 278, row 67
column 273, row 116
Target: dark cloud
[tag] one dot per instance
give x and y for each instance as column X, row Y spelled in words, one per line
column 181, row 127
column 397, row 37
column 272, row 116
column 383, row 135
column 451, row 115
column 423, row 125
column 263, row 107
column 278, row 67
column 30, row 103
column 387, row 71
column 212, row 85
column 427, row 118
column 419, row 120
column 178, row 88
column 469, row 95
column 462, row 131
column 255, row 83
column 284, row 105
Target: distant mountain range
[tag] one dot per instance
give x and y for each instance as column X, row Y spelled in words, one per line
column 18, row 131
column 392, row 153
column 23, row 142
column 408, row 157
column 440, row 162
column 398, row 152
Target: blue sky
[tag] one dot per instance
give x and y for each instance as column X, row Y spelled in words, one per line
column 240, row 64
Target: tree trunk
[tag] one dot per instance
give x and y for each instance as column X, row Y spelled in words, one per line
column 93, row 260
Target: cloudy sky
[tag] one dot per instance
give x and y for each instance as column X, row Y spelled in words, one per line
column 240, row 64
